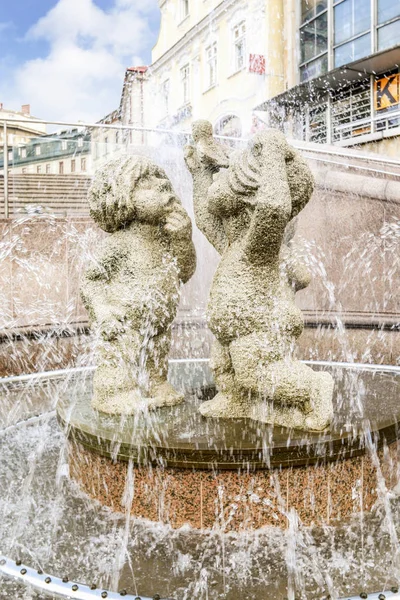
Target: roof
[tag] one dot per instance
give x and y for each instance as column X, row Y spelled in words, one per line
column 142, row 69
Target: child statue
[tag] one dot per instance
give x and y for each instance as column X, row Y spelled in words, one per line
column 246, row 204
column 132, row 291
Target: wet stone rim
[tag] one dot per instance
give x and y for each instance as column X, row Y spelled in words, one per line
column 228, row 459
column 63, row 588
column 247, row 453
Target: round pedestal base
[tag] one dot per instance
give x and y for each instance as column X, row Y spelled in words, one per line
column 237, row 474
column 236, row 500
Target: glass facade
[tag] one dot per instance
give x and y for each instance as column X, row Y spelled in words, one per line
column 349, row 37
column 314, row 68
column 314, row 38
column 351, row 51
column 312, row 8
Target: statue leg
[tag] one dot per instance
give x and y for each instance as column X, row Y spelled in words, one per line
column 159, row 391
column 131, row 374
column 228, row 402
column 284, row 391
column 115, row 383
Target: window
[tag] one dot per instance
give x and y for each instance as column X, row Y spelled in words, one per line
column 184, row 9
column 314, row 68
column 353, row 50
column 83, row 164
column 48, row 168
column 73, row 165
column 389, row 35
column 312, row 8
column 63, row 144
column 387, row 10
column 23, row 152
column 185, row 77
column 117, row 138
column 106, row 145
column 39, row 169
column 239, row 41
column 229, row 126
column 165, row 95
column 61, row 168
column 352, row 20
column 314, row 38
column 352, row 17
column 10, row 155
column 37, row 150
column 80, row 142
column 211, row 65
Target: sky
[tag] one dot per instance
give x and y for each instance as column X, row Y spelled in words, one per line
column 67, row 58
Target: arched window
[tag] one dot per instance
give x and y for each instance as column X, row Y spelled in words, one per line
column 229, row 126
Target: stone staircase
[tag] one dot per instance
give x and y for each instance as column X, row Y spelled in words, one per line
column 62, row 195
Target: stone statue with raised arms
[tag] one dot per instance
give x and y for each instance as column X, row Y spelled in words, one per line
column 246, row 204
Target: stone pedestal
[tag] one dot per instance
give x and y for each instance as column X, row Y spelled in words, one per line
column 237, row 474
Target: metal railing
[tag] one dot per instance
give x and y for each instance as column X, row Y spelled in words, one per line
column 56, row 587
column 301, row 146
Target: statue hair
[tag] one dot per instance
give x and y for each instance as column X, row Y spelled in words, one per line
column 247, row 171
column 111, row 194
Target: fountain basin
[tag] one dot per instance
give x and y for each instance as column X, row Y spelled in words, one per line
column 238, row 474
column 49, row 526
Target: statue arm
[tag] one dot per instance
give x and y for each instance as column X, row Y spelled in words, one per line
column 270, row 216
column 297, row 272
column 179, row 228
column 273, row 201
column 209, row 224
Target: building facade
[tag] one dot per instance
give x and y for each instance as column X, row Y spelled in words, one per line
column 214, row 60
column 64, row 153
column 23, row 128
column 342, row 77
column 322, row 70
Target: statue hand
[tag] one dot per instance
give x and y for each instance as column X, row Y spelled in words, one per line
column 192, row 159
column 178, row 224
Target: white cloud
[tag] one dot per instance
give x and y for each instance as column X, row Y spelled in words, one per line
column 81, row 76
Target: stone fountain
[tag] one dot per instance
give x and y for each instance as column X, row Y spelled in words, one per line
column 260, row 434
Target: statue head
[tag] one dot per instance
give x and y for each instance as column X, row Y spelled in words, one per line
column 114, row 193
column 201, row 129
column 267, row 159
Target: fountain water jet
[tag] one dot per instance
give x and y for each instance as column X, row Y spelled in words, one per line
column 204, row 563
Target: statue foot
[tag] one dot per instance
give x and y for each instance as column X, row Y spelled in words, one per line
column 321, row 413
column 119, row 403
column 225, row 405
column 317, row 417
column 133, row 401
column 163, row 394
